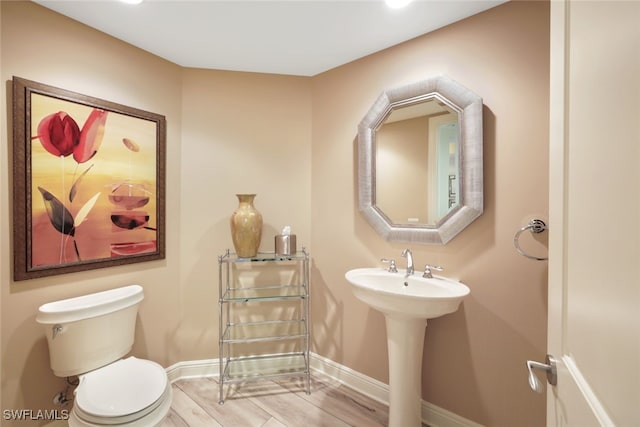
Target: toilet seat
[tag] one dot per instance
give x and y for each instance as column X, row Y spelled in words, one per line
column 122, row 392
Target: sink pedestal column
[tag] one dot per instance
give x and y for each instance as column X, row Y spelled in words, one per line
column 405, row 341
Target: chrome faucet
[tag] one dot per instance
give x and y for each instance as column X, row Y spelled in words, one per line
column 427, row 270
column 407, row 254
column 392, row 265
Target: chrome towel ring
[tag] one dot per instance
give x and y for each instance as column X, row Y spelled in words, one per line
column 535, row 226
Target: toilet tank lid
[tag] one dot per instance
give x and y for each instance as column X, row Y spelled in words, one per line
column 91, row 305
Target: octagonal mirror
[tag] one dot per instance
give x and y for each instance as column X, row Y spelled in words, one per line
column 420, row 176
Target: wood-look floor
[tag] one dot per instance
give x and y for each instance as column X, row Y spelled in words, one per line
column 280, row 403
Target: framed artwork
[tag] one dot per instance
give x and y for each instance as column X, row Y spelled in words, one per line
column 88, row 180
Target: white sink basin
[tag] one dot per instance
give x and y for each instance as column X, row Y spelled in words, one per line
column 412, row 296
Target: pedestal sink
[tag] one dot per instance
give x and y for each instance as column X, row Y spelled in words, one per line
column 406, row 302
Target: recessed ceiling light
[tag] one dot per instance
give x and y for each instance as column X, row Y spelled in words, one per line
column 132, row 1
column 397, row 4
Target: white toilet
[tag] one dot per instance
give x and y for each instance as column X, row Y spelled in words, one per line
column 87, row 337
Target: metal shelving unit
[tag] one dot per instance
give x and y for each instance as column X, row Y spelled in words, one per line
column 236, row 294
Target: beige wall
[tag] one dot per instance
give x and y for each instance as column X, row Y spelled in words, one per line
column 48, row 48
column 473, row 359
column 291, row 140
column 242, row 133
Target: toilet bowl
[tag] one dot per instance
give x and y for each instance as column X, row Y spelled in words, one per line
column 88, row 337
column 128, row 392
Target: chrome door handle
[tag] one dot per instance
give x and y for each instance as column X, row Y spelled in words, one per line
column 549, row 367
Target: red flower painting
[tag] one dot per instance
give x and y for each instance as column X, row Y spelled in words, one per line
column 93, row 182
column 59, row 134
column 88, row 182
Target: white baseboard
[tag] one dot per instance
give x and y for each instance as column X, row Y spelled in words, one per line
column 194, row 369
column 432, row 415
column 377, row 390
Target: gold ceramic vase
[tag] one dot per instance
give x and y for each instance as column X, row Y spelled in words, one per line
column 246, row 227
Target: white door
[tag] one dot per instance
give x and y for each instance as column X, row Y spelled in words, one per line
column 594, row 246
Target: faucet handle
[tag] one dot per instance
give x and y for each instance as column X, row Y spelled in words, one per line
column 427, row 270
column 392, row 265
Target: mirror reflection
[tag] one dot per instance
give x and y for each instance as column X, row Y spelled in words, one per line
column 418, row 153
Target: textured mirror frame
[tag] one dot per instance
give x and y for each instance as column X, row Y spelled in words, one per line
column 469, row 108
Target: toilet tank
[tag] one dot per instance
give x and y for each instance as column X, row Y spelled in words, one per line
column 90, row 331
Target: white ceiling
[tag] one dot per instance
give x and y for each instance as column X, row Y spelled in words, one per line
column 296, row 37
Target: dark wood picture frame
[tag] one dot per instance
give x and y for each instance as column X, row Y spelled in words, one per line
column 99, row 198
